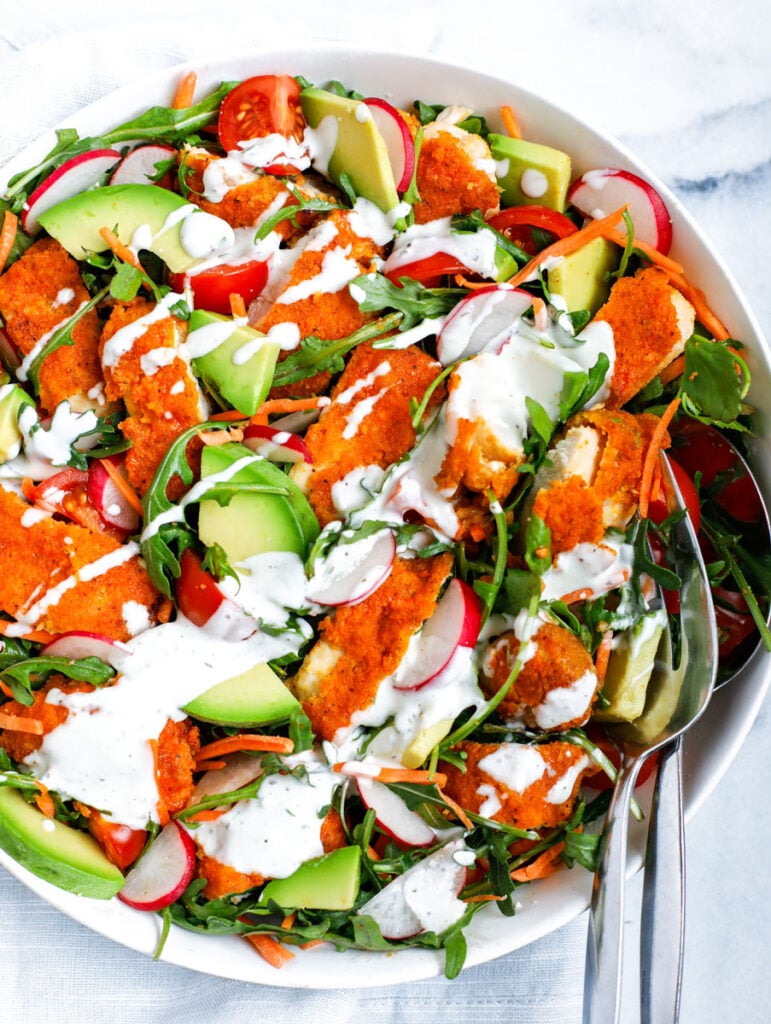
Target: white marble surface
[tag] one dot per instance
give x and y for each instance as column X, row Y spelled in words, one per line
column 687, row 85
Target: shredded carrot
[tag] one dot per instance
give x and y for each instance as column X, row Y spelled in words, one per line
column 228, row 414
column 6, row 690
column 652, row 455
column 183, row 97
column 122, row 485
column 246, row 741
column 7, row 236
column 652, row 254
column 16, row 723
column 674, row 370
column 209, row 815
column 510, row 122
column 312, row 943
column 543, row 865
column 602, row 657
column 215, row 438
column 121, row 251
column 36, row 636
column 163, row 812
column 210, row 766
column 271, row 949
column 286, row 405
column 28, row 489
column 577, row 595
column 289, row 920
column 698, row 300
column 463, row 282
column 489, row 898
column 570, row 243
column 237, row 305
column 414, row 775
column 373, row 854
column 457, row 810
column 43, row 800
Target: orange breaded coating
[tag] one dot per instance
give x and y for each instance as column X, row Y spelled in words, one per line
column 549, row 775
column 19, row 745
column 383, row 436
column 592, row 478
column 651, row 323
column 362, row 644
column 477, row 459
column 161, row 396
column 559, row 662
column 455, row 174
column 38, row 293
column 54, row 551
column 177, row 746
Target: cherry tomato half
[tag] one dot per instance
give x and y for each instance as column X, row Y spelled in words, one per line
column 516, row 222
column 702, row 448
column 66, row 494
column 212, row 288
column 197, row 593
column 428, row 271
column 260, row 106
column 121, row 844
column 657, row 510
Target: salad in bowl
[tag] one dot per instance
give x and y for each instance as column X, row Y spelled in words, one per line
column 334, row 561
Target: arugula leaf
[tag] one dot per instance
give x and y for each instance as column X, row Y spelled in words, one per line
column 126, row 283
column 711, row 389
column 469, row 223
column 414, row 302
column 579, row 387
column 25, row 676
column 166, row 124
column 304, row 204
column 476, row 124
column 540, row 420
column 537, row 545
column 111, row 441
column 62, row 336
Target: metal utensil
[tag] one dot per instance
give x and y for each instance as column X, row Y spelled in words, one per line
column 677, row 695
column 662, row 929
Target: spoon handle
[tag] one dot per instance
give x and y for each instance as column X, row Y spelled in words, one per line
column 604, row 946
column 662, row 926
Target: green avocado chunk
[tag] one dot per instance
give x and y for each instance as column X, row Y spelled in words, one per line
column 240, row 368
column 351, row 144
column 256, row 697
column 629, row 670
column 581, row 278
column 530, row 173
column 253, row 522
column 145, row 216
column 12, row 400
column 57, row 853
column 330, row 882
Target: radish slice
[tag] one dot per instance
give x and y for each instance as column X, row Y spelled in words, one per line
column 398, row 140
column 393, row 815
column 482, row 320
column 424, row 898
column 139, row 166
column 239, row 770
column 73, row 177
column 163, row 873
column 110, row 502
column 455, row 623
column 600, row 192
column 276, row 445
column 77, row 644
column 351, row 572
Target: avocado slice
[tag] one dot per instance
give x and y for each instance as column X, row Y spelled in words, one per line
column 256, row 697
column 253, row 522
column 126, row 209
column 352, row 145
column 330, row 882
column 244, row 383
column 629, row 670
column 529, row 173
column 424, row 743
column 12, row 400
column 581, row 278
column 57, row 853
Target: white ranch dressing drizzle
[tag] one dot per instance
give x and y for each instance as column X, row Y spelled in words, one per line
column 47, row 449
column 563, row 787
column 515, row 765
column 591, row 568
column 151, row 362
column 475, row 250
column 350, row 392
column 208, row 337
column 359, row 413
column 337, row 270
column 121, row 343
column 566, row 703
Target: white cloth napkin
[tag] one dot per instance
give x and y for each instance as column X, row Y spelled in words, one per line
column 53, row 969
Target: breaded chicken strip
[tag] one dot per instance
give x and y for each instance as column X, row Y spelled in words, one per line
column 144, row 367
column 456, row 174
column 69, row 578
column 527, row 786
column 39, row 293
column 362, row 644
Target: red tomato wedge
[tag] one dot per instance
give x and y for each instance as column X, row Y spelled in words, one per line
column 428, row 271
column 517, row 223
column 121, row 844
column 260, row 106
column 212, row 288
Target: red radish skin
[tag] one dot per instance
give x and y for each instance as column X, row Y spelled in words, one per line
column 598, row 193
column 398, row 140
column 73, row 177
column 163, row 873
column 108, row 499
column 276, row 445
column 393, row 815
column 370, row 564
column 483, row 319
column 77, row 644
column 455, row 623
column 139, row 166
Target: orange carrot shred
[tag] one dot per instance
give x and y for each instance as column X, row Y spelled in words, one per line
column 208, row 815
column 246, row 741
column 674, row 370
column 651, row 456
column 463, row 282
column 121, row 251
column 17, row 723
column 510, row 123
column 458, row 811
column 215, row 438
column 37, row 636
column 271, row 949
column 210, row 766
column 289, row 920
column 7, row 236
column 286, row 405
column 6, row 690
column 489, row 898
column 543, row 865
column 698, row 300
column 228, row 414
column 237, row 305
column 413, row 775
column 44, row 801
column 163, row 812
column 122, row 485
column 312, row 944
column 183, row 97
column 373, row 854
column 651, row 253
column 583, row 594
column 602, row 657
column 28, row 489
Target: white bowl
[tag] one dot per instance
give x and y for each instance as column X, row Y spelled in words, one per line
column 714, row 741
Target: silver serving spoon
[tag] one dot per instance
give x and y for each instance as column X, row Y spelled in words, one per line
column 678, row 696
column 662, row 928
